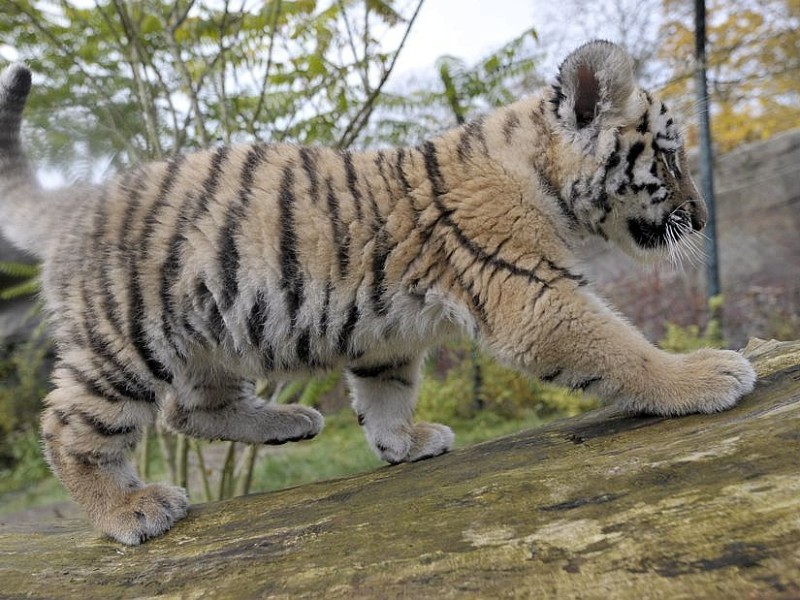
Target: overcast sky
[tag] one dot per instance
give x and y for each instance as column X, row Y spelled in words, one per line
column 468, row 29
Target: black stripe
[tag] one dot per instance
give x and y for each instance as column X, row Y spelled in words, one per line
column 382, row 247
column 474, row 130
column 379, row 257
column 304, row 347
column 558, row 96
column 103, row 429
column 137, row 311
column 380, row 161
column 151, row 219
column 94, row 459
column 644, row 122
column 171, row 268
column 377, row 371
column 228, row 257
column 212, row 318
column 563, row 205
column 432, row 169
column 582, row 385
column 63, row 418
column 510, row 125
column 257, row 320
column 482, row 255
column 352, row 182
column 139, row 337
column 111, row 308
column 635, row 150
column 474, row 297
column 216, row 322
column 131, row 386
column 372, row 371
column 100, row 346
column 291, row 278
column 127, row 245
column 343, row 343
column 340, row 235
column 613, row 160
column 91, row 385
column 310, row 167
column 401, row 174
column 326, row 306
column 126, row 384
column 211, row 182
column 549, row 377
column 173, row 264
column 382, row 373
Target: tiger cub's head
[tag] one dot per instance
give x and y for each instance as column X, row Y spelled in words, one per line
column 634, row 186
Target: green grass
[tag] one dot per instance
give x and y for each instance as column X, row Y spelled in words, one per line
column 42, row 492
column 340, row 450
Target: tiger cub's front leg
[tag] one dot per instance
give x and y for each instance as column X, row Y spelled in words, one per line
column 384, row 397
column 565, row 334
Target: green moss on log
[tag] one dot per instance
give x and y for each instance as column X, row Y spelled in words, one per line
column 599, row 506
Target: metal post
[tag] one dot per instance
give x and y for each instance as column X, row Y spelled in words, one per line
column 706, row 158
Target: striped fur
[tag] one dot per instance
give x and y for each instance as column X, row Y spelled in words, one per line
column 178, row 283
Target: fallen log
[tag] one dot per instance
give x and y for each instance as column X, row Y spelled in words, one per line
column 598, row 506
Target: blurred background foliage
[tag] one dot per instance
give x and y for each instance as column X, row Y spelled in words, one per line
column 120, row 81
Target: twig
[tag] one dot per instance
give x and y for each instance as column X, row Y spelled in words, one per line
column 362, row 116
column 265, row 81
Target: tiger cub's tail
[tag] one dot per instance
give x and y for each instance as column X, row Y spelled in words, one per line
column 25, row 219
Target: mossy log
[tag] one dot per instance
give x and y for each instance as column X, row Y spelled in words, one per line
column 599, row 506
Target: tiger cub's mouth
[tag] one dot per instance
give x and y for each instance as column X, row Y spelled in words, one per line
column 649, row 235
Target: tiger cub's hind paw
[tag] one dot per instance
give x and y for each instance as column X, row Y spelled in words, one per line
column 145, row 513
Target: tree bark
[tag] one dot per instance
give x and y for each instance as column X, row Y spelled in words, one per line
column 598, row 506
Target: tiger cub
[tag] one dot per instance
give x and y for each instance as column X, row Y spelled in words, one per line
column 178, row 283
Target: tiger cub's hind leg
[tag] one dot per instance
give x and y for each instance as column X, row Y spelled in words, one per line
column 88, row 440
column 218, row 406
column 384, row 397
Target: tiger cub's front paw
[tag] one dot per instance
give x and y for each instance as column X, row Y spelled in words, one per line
column 720, row 378
column 420, row 441
column 704, row 381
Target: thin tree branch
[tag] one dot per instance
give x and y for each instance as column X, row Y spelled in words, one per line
column 265, row 80
column 351, row 42
column 361, row 118
column 186, row 78
column 135, row 61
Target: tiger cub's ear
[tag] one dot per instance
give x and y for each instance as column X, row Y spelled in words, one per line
column 596, row 82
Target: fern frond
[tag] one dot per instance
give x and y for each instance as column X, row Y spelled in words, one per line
column 29, row 287
column 19, row 270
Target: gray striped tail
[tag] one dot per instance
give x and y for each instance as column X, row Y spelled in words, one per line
column 21, row 211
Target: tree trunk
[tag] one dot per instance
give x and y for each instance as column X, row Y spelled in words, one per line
column 599, row 506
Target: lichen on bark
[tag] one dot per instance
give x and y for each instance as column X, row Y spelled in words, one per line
column 598, row 506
